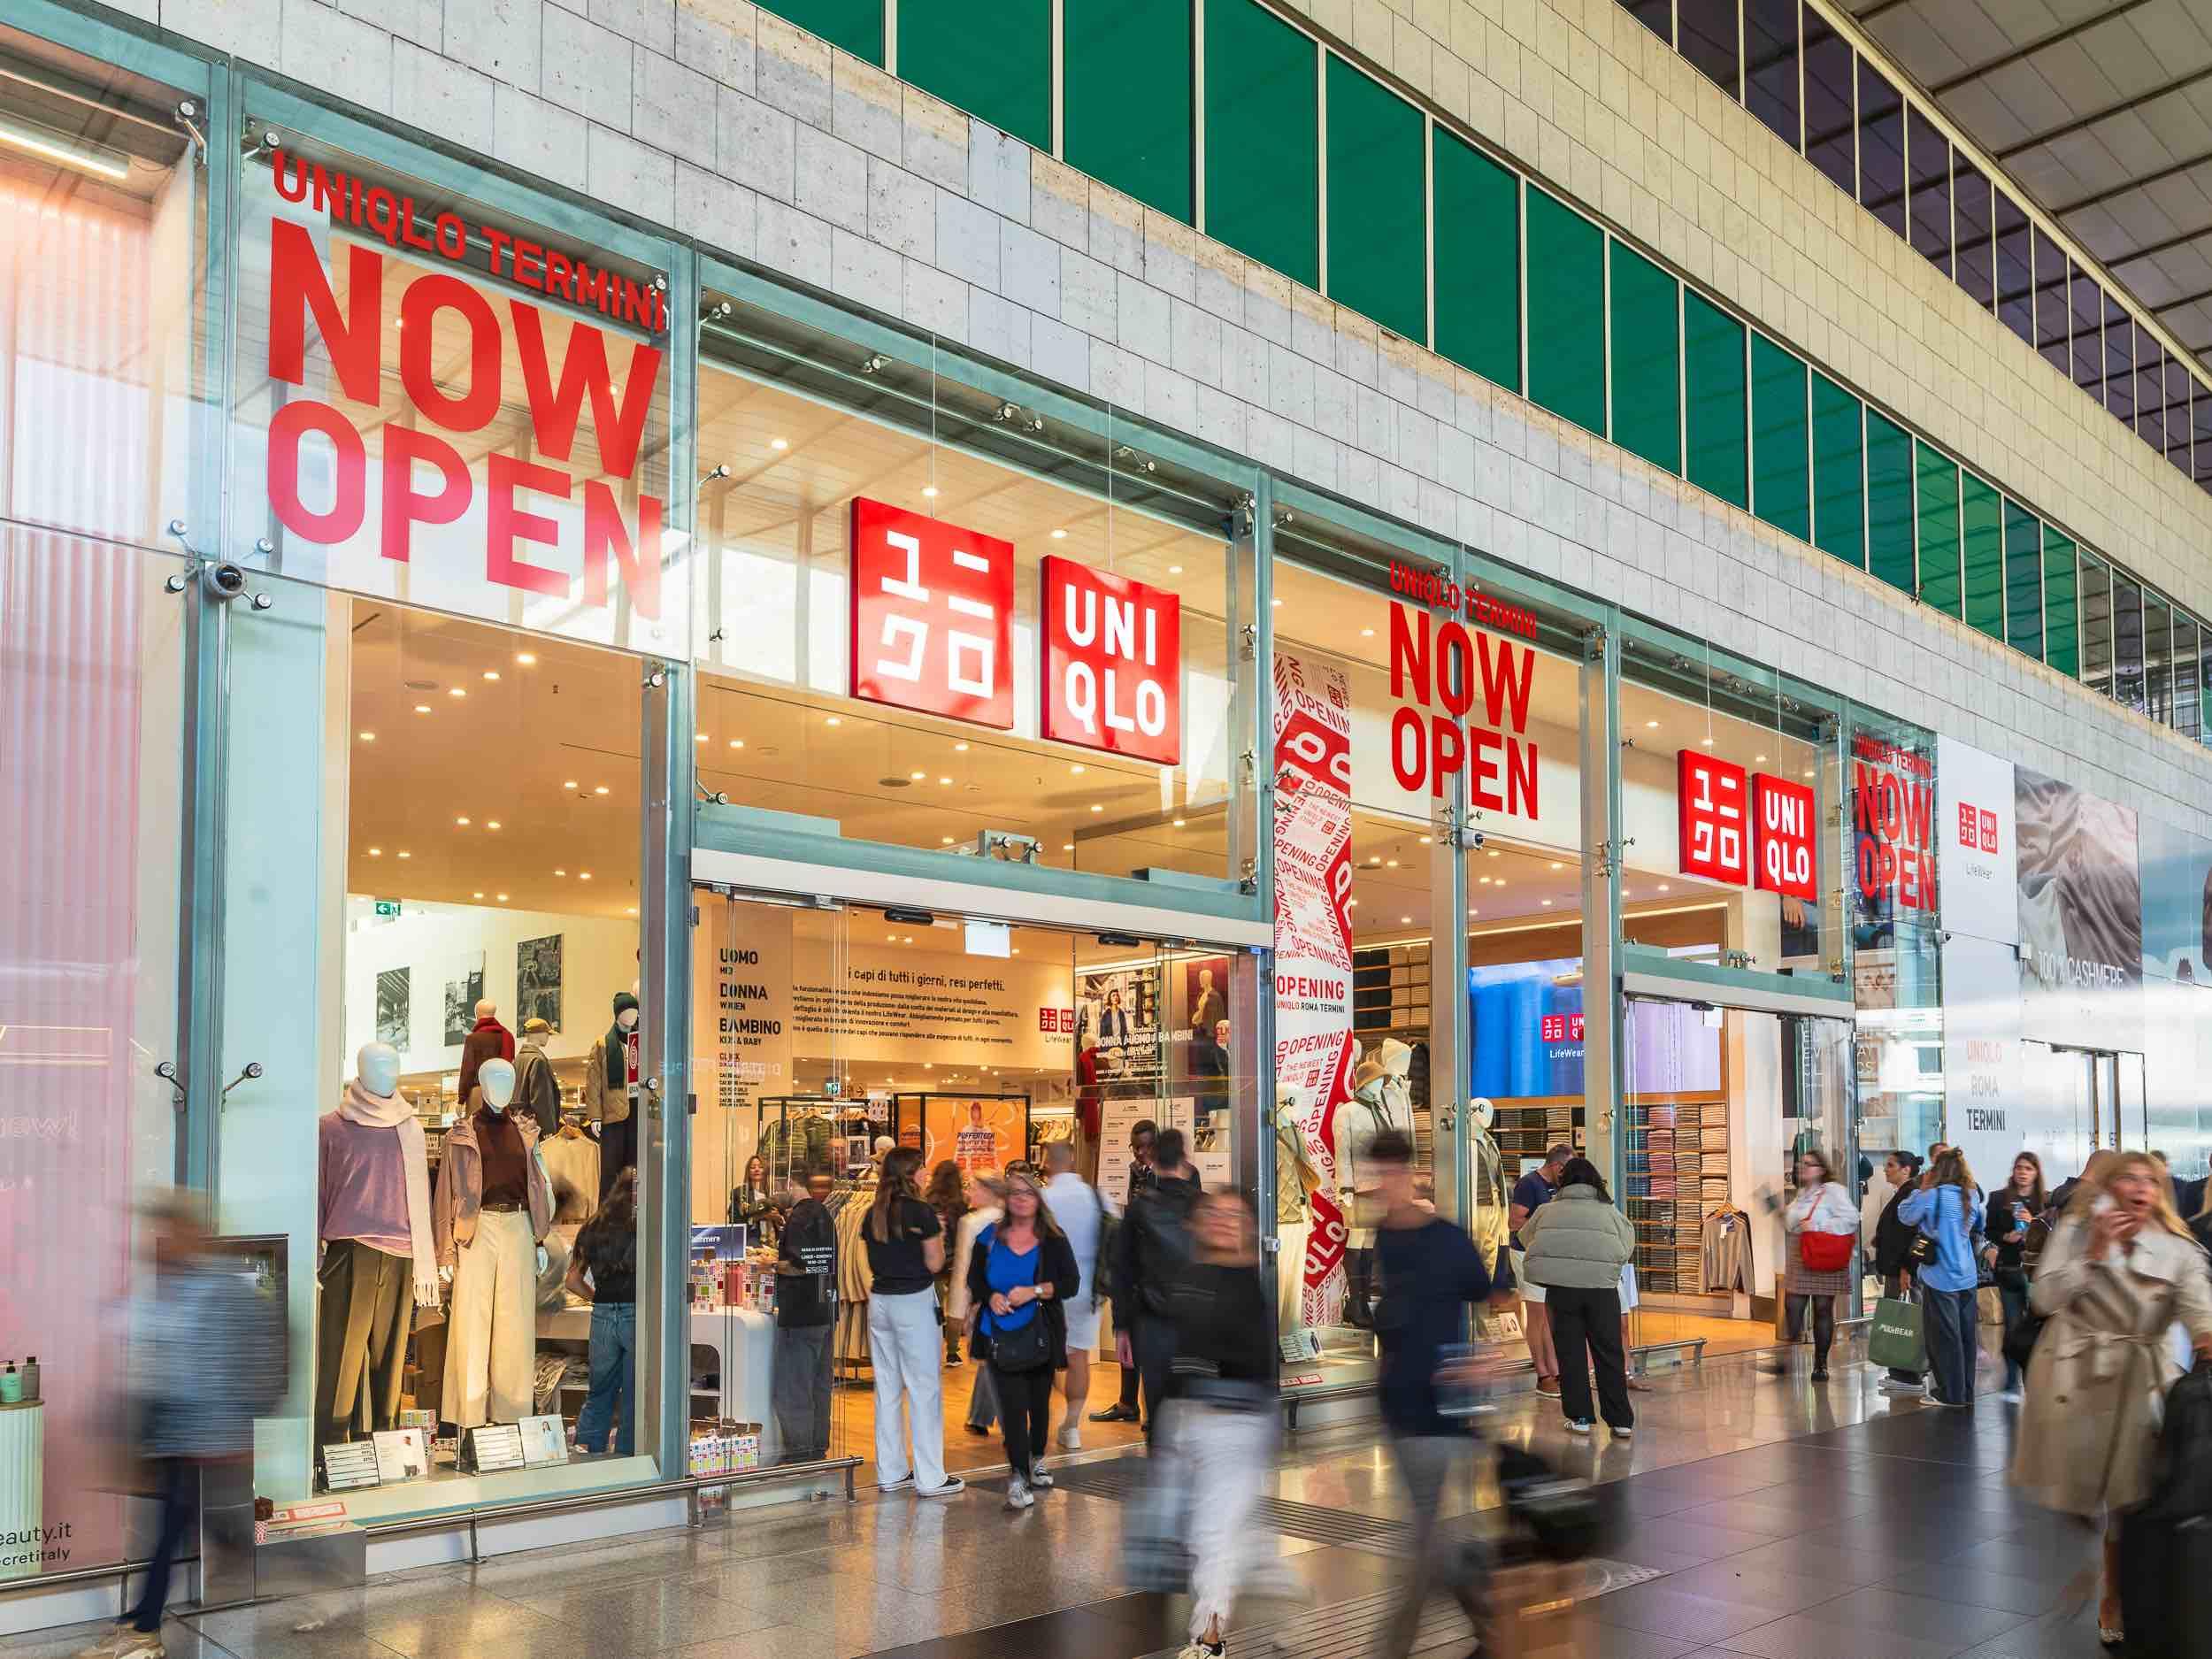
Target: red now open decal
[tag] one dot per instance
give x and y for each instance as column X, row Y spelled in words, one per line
column 1113, row 664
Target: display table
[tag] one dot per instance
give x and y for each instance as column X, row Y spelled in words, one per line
column 22, row 1486
column 742, row 1346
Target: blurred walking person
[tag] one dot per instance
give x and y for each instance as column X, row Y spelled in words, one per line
column 1531, row 1193
column 2120, row 1270
column 1432, row 1274
column 206, row 1358
column 1020, row 1275
column 947, row 1194
column 1220, row 1412
column 2013, row 1209
column 1893, row 1255
column 986, row 1202
column 1946, row 1208
column 1821, row 1225
column 1577, row 1245
column 1151, row 1248
column 1080, row 1209
column 806, row 1304
column 906, row 1249
column 1143, row 1136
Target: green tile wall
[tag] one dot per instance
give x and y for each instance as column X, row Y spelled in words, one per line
column 1378, row 218
column 1982, row 543
column 1889, row 521
column 1647, row 359
column 1715, row 418
column 2062, row 634
column 1126, row 103
column 1478, row 220
column 1839, row 472
column 1781, row 491
column 1264, row 139
column 994, row 60
column 1566, row 311
column 856, row 25
column 2024, row 580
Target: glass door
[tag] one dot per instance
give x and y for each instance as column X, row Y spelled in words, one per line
column 2132, row 1119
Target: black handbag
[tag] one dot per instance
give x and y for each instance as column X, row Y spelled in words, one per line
column 1027, row 1346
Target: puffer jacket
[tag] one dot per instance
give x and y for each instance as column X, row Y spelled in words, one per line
column 1578, row 1241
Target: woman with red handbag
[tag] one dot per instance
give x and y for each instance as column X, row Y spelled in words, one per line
column 1822, row 1227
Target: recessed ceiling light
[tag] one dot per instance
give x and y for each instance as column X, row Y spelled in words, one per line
column 560, row 872
column 959, row 749
column 698, row 737
column 1017, row 950
column 944, row 780
column 500, row 897
column 457, row 691
column 1408, row 919
column 1494, row 852
column 1427, row 841
column 1482, row 881
column 1097, row 807
column 1076, row 769
column 1471, row 911
column 569, row 783
column 1626, row 893
column 1067, row 847
column 1178, row 823
column 1705, row 743
column 1651, row 725
column 376, row 852
column 1367, row 633
column 525, row 658
column 461, row 821
column 779, row 444
column 1376, row 859
column 1808, row 771
column 476, row 895
column 368, row 737
column 631, row 912
column 1351, row 904
column 583, row 875
column 908, row 939
column 737, row 742
column 1391, row 863
column 1059, row 535
column 833, row 721
column 406, row 855
column 1498, row 884
column 1175, row 570
column 491, row 673
column 1662, row 888
column 1276, row 603
column 1557, row 865
column 916, row 776
column 947, row 840
column 599, row 789
column 929, row 492
column 1758, row 760
column 491, row 822
column 422, row 707
column 1546, row 903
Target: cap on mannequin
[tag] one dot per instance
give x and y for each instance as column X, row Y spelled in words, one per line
column 485, row 1008
column 1396, row 1057
column 884, row 1145
column 625, row 1010
column 377, row 1065
column 495, row 1081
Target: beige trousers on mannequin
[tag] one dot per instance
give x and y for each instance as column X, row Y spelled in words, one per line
column 492, row 1333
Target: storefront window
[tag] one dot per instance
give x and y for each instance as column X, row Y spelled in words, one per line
column 443, row 405
column 102, row 218
column 935, row 619
column 1888, row 822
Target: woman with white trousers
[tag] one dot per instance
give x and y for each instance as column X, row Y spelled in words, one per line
column 906, row 1249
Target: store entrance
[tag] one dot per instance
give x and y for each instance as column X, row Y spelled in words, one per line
column 2086, row 1100
column 829, row 1033
column 1721, row 1102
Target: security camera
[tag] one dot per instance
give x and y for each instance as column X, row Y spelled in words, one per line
column 1476, row 840
column 223, row 579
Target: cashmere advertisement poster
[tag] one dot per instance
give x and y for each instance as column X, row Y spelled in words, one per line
column 2081, row 916
column 1314, row 1048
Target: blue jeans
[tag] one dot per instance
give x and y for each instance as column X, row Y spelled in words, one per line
column 1950, row 1319
column 613, row 1390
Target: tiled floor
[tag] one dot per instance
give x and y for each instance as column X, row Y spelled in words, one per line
column 1785, row 1520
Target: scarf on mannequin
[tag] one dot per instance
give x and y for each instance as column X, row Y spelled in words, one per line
column 391, row 1111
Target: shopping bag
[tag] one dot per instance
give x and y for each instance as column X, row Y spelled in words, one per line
column 1896, row 1339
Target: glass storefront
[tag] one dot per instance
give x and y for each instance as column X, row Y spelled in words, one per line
column 560, row 695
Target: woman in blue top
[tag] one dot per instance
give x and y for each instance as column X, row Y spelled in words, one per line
column 1020, row 1275
column 1948, row 1210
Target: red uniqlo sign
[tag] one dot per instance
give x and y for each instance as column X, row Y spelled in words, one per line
column 1782, row 820
column 1113, row 662
column 1715, row 819
column 933, row 611
column 1563, row 1028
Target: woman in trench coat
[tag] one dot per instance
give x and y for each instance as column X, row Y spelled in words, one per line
column 2116, row 1275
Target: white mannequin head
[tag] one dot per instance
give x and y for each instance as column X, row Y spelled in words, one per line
column 377, row 1065
column 626, row 1019
column 1396, row 1057
column 496, row 1078
column 485, row 1008
column 1483, row 1112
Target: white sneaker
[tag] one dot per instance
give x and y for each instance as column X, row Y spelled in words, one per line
column 2012, row 1396
column 1072, row 1435
column 1040, row 1481
column 952, row 1488
column 1622, row 1434
column 904, row 1483
column 1891, row 1386
column 1578, row 1425
column 1017, row 1494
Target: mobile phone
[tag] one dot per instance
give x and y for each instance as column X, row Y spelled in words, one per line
column 2103, row 1204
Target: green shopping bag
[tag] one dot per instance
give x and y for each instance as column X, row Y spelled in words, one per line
column 1896, row 1339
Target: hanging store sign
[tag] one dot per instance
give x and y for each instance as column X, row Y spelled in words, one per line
column 1783, row 858
column 1314, row 1046
column 399, row 449
column 1469, row 712
column 1711, row 796
column 933, row 615
column 1113, row 664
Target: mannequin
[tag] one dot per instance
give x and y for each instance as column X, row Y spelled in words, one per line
column 489, row 1040
column 374, row 1221
column 537, row 1091
column 1206, row 1006
column 495, row 1208
column 1295, row 1180
column 571, row 1164
column 610, row 1091
column 1492, row 1194
column 1381, row 1099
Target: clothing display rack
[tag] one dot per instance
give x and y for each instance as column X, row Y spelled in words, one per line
column 1390, row 992
column 1675, row 1173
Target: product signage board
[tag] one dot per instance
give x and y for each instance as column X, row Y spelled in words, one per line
column 494, row 1446
column 1977, row 846
column 461, row 417
column 2081, row 915
column 1984, row 1111
column 1113, row 655
column 1461, row 698
column 983, row 1133
column 349, row 1466
column 1783, row 840
column 933, row 616
column 400, row 1455
column 1713, row 797
column 544, row 1440
column 1314, row 1046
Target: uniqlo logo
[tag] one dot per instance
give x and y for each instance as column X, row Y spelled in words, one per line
column 932, row 609
column 1969, row 824
column 1783, row 858
column 1056, row 1019
column 1989, row 831
column 1714, row 821
column 1563, row 1028
column 1113, row 662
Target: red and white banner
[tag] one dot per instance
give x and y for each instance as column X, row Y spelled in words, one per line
column 1784, row 858
column 933, row 616
column 1714, row 799
column 1314, row 1048
column 1113, row 657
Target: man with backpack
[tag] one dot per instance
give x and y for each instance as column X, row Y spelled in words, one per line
column 1080, row 1212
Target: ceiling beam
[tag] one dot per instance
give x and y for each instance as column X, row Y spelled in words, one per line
column 2145, row 182
column 2153, row 248
column 2021, row 54
column 1881, row 9
column 2175, row 305
column 2083, row 123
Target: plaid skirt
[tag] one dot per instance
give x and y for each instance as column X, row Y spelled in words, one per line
column 1799, row 1280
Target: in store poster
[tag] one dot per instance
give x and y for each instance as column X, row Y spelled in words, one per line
column 1976, row 843
column 1314, row 1048
column 2081, row 916
column 976, row 1132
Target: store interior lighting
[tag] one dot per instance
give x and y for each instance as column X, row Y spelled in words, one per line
column 35, row 139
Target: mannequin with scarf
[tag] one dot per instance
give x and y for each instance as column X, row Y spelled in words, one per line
column 378, row 1259
column 610, row 1091
column 1382, row 1098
